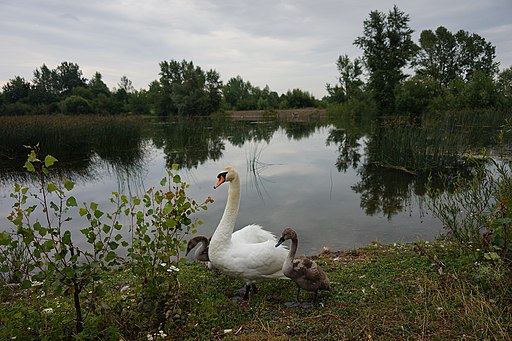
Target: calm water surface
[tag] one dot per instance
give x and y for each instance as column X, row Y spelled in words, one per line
column 296, row 174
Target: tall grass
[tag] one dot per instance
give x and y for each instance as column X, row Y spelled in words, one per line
column 74, row 138
column 436, row 142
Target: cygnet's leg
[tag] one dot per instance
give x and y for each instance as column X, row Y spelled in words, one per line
column 310, row 304
column 296, row 303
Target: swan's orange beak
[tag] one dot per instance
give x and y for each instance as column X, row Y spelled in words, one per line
column 221, row 180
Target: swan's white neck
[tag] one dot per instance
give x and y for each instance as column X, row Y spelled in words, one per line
column 222, row 236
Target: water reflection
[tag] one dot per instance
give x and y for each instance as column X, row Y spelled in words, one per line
column 323, row 177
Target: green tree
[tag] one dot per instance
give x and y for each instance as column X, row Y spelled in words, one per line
column 504, row 85
column 387, row 48
column 45, row 79
column 69, row 76
column 185, row 89
column 236, row 91
column 126, row 85
column 415, row 94
column 349, row 82
column 97, row 86
column 436, row 58
column 444, row 56
column 16, row 89
column 298, row 98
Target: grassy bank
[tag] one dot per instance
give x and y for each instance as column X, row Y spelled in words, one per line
column 407, row 291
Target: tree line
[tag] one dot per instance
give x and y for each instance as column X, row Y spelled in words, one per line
column 443, row 71
column 450, row 71
column 182, row 89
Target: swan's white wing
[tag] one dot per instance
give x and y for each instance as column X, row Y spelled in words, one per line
column 252, row 234
column 253, row 262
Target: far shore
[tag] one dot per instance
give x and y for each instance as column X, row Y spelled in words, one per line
column 290, row 114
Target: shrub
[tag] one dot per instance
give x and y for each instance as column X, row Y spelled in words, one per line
column 43, row 249
column 478, row 213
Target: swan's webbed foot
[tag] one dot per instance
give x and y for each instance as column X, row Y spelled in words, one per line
column 247, row 290
column 237, row 298
column 293, row 304
column 307, row 305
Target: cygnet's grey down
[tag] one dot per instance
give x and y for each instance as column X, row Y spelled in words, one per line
column 303, row 271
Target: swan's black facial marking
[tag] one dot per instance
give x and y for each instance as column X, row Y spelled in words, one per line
column 221, row 179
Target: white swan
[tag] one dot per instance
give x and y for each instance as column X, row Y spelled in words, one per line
column 248, row 254
column 303, row 271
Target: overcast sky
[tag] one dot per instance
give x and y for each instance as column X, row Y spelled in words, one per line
column 282, row 44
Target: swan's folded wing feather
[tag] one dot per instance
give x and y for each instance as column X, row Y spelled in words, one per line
column 252, row 234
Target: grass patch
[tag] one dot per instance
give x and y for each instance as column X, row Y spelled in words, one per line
column 402, row 291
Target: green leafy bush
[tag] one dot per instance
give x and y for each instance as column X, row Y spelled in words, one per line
column 478, row 213
column 42, row 249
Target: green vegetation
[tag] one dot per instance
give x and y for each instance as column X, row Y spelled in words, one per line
column 44, row 249
column 452, row 72
column 443, row 72
column 415, row 291
column 459, row 287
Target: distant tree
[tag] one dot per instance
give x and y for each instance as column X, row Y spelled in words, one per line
column 126, row 85
column 97, row 86
column 76, row 105
column 236, row 90
column 349, row 82
column 213, row 88
column 69, row 76
column 139, row 102
column 45, row 80
column 444, row 56
column 387, row 48
column 415, row 94
column 504, row 87
column 185, row 89
column 297, row 98
column 16, row 89
column 475, row 54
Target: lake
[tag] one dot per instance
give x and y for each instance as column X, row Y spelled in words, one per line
column 308, row 172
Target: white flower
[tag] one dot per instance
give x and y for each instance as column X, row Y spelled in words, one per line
column 150, row 337
column 48, row 311
column 173, row 268
column 162, row 334
column 37, row 284
column 163, row 264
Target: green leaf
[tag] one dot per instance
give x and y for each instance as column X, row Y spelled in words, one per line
column 163, row 181
column 68, row 184
column 83, row 211
column 49, row 160
column 98, row 213
column 176, row 179
column 110, row 256
column 113, row 245
column 5, row 238
column 51, row 187
column 66, row 238
column 71, row 202
column 29, row 166
column 106, row 228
